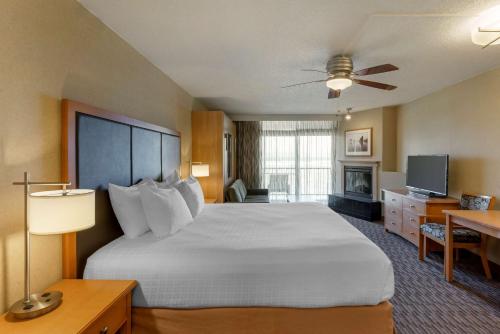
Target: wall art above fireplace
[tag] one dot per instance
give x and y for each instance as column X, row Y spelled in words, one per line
column 358, row 143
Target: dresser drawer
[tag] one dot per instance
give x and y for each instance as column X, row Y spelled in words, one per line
column 393, row 224
column 111, row 320
column 410, row 226
column 393, row 211
column 413, row 206
column 392, row 199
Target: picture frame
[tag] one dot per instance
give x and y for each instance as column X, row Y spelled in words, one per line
column 358, row 143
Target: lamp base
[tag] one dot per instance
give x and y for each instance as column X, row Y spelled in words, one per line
column 39, row 304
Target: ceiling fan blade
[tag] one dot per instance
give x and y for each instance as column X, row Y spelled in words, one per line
column 305, row 83
column 374, row 84
column 332, row 93
column 310, row 70
column 376, row 69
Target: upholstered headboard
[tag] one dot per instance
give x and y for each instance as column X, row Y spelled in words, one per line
column 100, row 147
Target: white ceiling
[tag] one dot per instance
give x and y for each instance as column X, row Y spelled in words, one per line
column 235, row 54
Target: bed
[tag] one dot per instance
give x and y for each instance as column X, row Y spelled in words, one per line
column 252, row 268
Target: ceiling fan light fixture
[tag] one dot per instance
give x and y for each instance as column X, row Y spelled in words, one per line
column 339, row 83
column 486, row 29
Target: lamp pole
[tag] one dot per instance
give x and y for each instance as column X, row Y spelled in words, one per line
column 26, row 240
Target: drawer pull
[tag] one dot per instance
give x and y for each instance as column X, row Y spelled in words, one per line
column 104, row 330
column 393, row 223
column 393, row 211
column 394, row 200
column 412, row 206
column 412, row 219
column 412, row 233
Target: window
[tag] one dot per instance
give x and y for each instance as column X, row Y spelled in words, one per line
column 297, row 159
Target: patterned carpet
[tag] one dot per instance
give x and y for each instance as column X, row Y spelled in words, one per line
column 424, row 302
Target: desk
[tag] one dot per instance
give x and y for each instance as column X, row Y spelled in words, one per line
column 485, row 222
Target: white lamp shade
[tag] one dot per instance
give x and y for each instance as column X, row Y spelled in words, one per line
column 490, row 20
column 52, row 212
column 200, row 170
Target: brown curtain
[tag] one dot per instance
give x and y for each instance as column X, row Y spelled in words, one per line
column 248, row 152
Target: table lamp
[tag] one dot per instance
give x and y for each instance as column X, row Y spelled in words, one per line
column 199, row 169
column 50, row 212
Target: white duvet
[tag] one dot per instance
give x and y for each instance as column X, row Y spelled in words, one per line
column 290, row 255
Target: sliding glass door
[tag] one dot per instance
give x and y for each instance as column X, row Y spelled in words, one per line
column 297, row 161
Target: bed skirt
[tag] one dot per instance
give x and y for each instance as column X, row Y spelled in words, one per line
column 263, row 320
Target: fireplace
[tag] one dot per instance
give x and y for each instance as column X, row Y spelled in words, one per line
column 359, row 197
column 358, row 181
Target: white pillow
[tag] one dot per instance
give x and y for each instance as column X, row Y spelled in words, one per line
column 165, row 209
column 126, row 203
column 170, row 181
column 191, row 190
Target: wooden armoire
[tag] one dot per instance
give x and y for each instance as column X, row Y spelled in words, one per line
column 213, row 136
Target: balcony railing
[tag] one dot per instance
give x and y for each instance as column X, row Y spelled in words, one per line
column 312, row 181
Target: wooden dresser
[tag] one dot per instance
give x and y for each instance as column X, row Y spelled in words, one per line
column 401, row 211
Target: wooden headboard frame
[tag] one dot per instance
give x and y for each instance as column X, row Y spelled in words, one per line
column 72, row 112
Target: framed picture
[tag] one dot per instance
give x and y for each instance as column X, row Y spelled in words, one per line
column 358, row 143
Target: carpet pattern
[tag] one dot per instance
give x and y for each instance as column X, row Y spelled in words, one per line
column 424, row 302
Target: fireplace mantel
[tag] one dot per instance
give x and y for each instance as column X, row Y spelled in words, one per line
column 374, row 164
column 355, row 162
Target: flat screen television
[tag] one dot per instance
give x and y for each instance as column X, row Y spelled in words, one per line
column 428, row 174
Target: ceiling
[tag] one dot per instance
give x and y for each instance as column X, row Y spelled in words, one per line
column 235, row 54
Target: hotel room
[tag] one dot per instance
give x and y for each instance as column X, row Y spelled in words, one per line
column 309, row 166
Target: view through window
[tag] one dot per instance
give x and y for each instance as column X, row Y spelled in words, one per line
column 298, row 159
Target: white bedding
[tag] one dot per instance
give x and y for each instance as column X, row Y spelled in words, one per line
column 291, row 255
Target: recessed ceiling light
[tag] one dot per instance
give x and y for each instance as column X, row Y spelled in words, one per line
column 486, row 29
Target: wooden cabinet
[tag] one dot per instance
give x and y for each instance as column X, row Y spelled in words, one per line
column 401, row 211
column 88, row 307
column 213, row 136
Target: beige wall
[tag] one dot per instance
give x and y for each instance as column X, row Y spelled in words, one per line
column 464, row 121
column 389, row 144
column 50, row 50
column 372, row 118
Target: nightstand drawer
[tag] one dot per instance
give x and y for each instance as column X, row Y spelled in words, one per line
column 111, row 320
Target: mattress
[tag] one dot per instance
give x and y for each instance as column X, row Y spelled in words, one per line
column 242, row 255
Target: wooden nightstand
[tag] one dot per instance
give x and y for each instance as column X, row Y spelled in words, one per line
column 88, row 307
column 210, row 200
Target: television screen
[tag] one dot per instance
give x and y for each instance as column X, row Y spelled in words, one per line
column 428, row 174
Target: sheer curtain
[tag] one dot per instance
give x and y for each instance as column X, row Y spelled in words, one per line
column 297, row 159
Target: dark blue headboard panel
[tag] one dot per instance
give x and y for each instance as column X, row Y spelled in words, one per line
column 121, row 151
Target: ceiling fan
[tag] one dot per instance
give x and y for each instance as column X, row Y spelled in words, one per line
column 341, row 76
